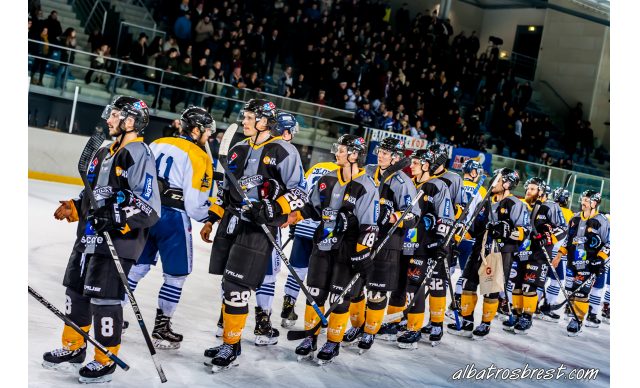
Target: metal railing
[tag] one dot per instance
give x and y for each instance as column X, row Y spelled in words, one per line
column 135, row 30
column 140, row 3
column 93, row 14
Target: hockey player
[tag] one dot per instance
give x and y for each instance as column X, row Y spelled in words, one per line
column 532, row 265
column 435, row 218
column 346, row 203
column 302, row 233
column 508, row 224
column 595, row 298
column 185, row 179
column 587, row 247
column 269, row 171
column 472, row 171
column 396, row 192
column 123, row 179
column 561, row 197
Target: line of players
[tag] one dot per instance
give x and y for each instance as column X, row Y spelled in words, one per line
column 337, row 211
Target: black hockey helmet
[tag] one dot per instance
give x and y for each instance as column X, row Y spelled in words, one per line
column 262, row 108
column 440, row 154
column 195, row 116
column 395, row 146
column 354, row 144
column 424, row 156
column 542, row 185
column 592, row 195
column 470, row 165
column 509, row 175
column 561, row 196
column 129, row 107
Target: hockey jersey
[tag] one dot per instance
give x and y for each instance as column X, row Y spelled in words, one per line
column 455, row 185
column 185, row 175
column 307, row 227
column 332, row 194
column 516, row 213
column 396, row 191
column 586, row 238
column 436, row 215
column 270, row 170
column 125, row 174
column 468, row 187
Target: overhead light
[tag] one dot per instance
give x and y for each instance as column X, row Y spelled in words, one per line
column 532, row 28
column 503, row 54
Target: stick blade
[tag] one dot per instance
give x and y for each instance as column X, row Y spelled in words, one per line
column 94, row 143
column 225, row 144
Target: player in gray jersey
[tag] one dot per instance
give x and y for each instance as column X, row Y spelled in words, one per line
column 346, row 202
column 124, row 182
column 587, row 248
column 269, row 171
column 396, row 192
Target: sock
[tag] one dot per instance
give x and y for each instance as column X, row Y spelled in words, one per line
column 459, row 286
column 102, row 357
column 170, row 293
column 311, row 318
column 468, row 303
column 553, row 291
column 436, row 308
column 292, row 288
column 581, row 308
column 71, row 339
column 489, row 309
column 136, row 273
column 595, row 300
column 356, row 311
column 233, row 326
column 337, row 326
column 395, row 309
column 517, row 302
column 264, row 296
column 373, row 320
column 607, row 295
column 415, row 321
column 529, row 304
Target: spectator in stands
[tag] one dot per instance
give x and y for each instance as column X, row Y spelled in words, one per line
column 154, row 50
column 98, row 62
column 139, row 55
column 171, row 43
column 285, row 85
column 203, row 32
column 300, row 88
column 169, row 64
column 42, row 50
column 586, row 140
column 182, row 30
column 237, row 81
column 54, row 27
column 272, row 48
column 184, row 81
column 95, row 39
column 67, row 39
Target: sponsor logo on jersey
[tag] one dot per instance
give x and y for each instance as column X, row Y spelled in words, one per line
column 93, row 288
column 529, row 277
column 143, row 206
column 121, row 172
column 206, row 182
column 91, row 239
column 407, row 200
column 447, row 208
column 249, row 182
column 350, row 199
column 513, row 273
column 102, row 192
column 329, row 214
column 322, row 186
column 579, row 240
column 532, row 267
column 269, row 161
column 93, row 164
column 504, row 210
column 233, row 156
column 148, row 187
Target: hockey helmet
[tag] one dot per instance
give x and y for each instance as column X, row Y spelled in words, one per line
column 509, row 175
column 592, row 195
column 470, row 165
column 353, row 143
column 561, row 196
column 394, row 146
column 129, row 107
column 197, row 117
column 262, row 108
column 424, row 156
column 542, row 185
column 286, row 122
column 441, row 154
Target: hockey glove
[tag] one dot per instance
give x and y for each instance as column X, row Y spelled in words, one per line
column 262, row 212
column 544, row 237
column 271, row 189
column 345, row 220
column 442, row 252
column 500, row 230
column 596, row 266
column 385, row 214
column 107, row 218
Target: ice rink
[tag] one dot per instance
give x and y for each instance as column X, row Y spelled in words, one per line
column 385, row 365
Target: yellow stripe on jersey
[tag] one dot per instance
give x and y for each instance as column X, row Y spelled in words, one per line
column 255, row 147
column 330, row 166
column 200, row 162
column 342, row 182
column 567, row 213
column 482, row 191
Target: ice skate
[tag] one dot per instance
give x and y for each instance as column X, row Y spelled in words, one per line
column 409, row 340
column 226, row 358
column 265, row 333
column 328, row 352
column 480, row 333
column 306, row 348
column 96, row 372
column 64, row 359
column 163, row 336
column 288, row 315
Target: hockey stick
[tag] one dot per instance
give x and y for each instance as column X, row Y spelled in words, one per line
column 222, row 159
column 90, row 149
column 466, row 224
column 456, row 307
column 554, row 307
column 294, row 335
column 75, row 327
column 553, row 269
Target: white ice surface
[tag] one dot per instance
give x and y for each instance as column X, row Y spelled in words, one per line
column 385, row 365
